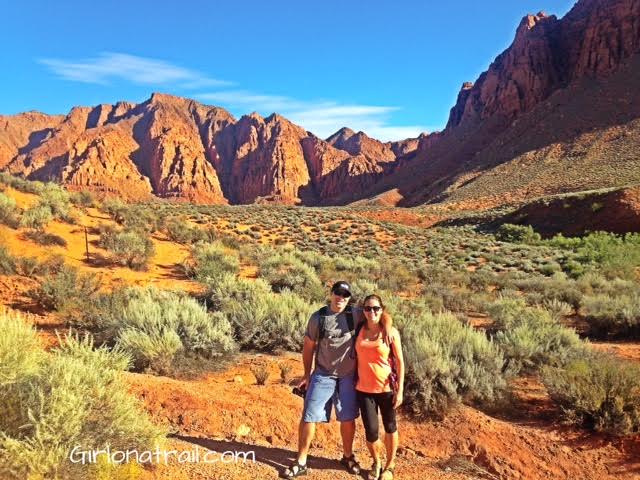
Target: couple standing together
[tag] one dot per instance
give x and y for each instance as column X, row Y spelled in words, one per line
column 359, row 368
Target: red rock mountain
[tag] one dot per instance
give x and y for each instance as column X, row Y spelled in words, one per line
column 173, row 147
column 557, row 111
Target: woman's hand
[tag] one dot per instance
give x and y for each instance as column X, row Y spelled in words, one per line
column 397, row 398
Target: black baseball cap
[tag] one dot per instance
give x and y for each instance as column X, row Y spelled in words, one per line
column 341, row 286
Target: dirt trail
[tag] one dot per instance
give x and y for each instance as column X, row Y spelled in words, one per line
column 228, row 411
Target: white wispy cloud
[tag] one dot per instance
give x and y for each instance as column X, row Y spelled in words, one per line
column 323, row 118
column 110, row 66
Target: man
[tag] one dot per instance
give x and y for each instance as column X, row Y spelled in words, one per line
column 330, row 340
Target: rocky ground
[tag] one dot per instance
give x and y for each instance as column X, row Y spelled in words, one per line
column 228, row 411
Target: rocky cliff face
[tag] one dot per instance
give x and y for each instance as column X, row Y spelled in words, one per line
column 24, row 132
column 173, row 147
column 541, row 82
column 361, row 144
column 593, row 39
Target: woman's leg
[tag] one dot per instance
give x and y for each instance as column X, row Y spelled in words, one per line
column 369, row 412
column 385, row 402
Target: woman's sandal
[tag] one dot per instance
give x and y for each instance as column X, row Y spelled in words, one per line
column 388, row 470
column 295, row 470
column 351, row 464
column 374, row 473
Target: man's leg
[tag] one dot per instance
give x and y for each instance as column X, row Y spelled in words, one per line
column 317, row 408
column 346, row 404
column 306, row 432
column 348, row 432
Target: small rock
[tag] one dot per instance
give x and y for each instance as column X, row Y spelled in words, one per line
column 243, row 430
column 238, row 379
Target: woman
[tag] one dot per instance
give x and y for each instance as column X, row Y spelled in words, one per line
column 379, row 386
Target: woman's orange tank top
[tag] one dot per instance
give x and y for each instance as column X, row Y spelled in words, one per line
column 373, row 365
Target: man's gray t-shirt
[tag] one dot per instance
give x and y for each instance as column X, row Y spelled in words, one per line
column 334, row 352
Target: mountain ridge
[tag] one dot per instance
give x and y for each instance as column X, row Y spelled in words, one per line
column 578, row 73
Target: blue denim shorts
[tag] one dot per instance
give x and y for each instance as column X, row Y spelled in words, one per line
column 325, row 391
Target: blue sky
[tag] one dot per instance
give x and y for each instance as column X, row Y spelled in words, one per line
column 391, row 69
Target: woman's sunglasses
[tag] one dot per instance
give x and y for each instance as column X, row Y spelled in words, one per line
column 372, row 309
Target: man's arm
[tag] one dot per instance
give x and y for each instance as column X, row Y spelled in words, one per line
column 311, row 338
column 387, row 328
column 308, row 349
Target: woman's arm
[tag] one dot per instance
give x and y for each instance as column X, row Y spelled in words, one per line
column 399, row 359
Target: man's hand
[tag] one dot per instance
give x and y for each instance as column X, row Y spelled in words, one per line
column 304, row 383
column 387, row 335
column 397, row 398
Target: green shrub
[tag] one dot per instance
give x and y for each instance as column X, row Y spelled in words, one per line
column 36, row 217
column 262, row 319
column 142, row 218
column 130, row 248
column 21, row 184
column 82, row 199
column 531, row 338
column 74, row 396
column 28, row 266
column 227, row 290
column 8, row 211
column 20, row 351
column 557, row 287
column 447, row 362
column 599, row 392
column 261, row 372
column 610, row 254
column 395, row 275
column 286, row 272
column 153, row 326
column 7, row 262
column 66, row 291
column 179, row 230
column 615, row 256
column 362, row 287
column 57, row 200
column 517, row 234
column 285, row 371
column 557, row 308
column 210, row 261
column 115, row 208
column 314, row 259
column 549, row 268
column 612, row 316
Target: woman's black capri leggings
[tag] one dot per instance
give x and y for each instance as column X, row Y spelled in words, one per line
column 370, row 403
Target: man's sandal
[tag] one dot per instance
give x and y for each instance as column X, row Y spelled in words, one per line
column 374, row 473
column 351, row 464
column 387, row 474
column 295, row 470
